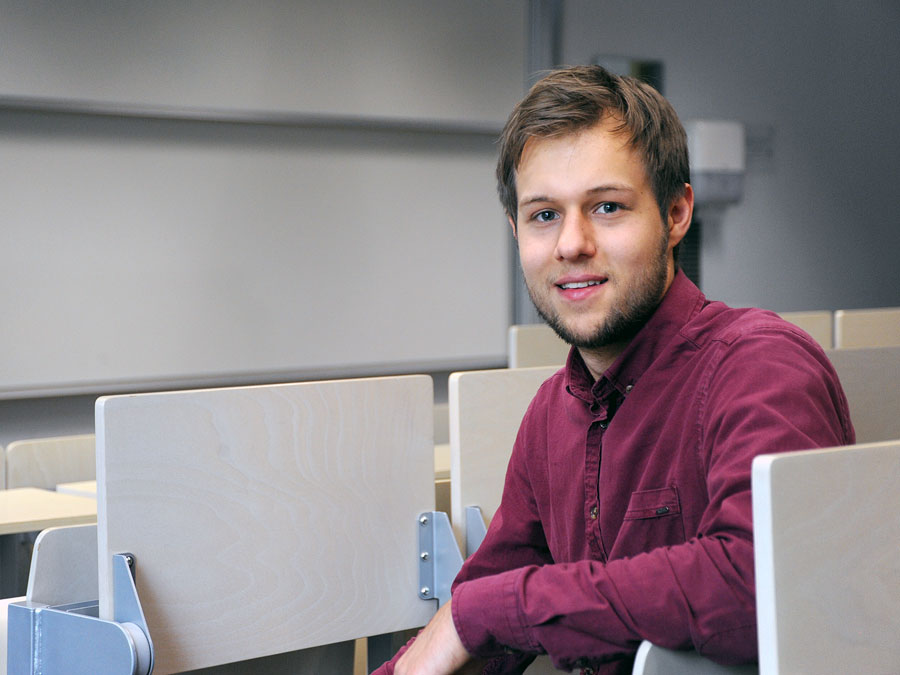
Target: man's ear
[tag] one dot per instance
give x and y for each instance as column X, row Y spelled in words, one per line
column 680, row 214
column 512, row 224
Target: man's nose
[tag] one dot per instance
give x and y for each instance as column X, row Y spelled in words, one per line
column 576, row 238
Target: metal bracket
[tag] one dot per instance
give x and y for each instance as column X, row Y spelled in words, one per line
column 71, row 639
column 439, row 556
column 475, row 529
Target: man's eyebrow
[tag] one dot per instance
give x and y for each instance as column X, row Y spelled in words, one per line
column 615, row 187
column 525, row 201
column 600, row 189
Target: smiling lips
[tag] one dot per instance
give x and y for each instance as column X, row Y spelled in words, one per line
column 577, row 288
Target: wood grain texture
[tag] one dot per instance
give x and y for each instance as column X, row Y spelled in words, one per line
column 869, row 378
column 827, row 531
column 335, row 659
column 867, row 327
column 267, row 519
column 45, row 462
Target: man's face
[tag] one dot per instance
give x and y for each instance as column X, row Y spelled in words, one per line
column 595, row 252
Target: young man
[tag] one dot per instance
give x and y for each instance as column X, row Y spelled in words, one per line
column 626, row 512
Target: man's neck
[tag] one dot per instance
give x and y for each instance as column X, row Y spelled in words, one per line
column 600, row 359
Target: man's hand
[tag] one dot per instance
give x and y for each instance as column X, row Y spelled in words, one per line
column 437, row 650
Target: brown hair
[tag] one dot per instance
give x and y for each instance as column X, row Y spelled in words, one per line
column 571, row 99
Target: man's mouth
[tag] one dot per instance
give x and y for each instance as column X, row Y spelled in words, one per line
column 580, row 284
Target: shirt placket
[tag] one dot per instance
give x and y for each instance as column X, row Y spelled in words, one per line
column 593, row 451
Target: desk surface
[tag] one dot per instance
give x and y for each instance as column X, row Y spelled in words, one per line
column 82, row 488
column 32, row 509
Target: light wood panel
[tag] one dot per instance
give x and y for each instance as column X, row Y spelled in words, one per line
column 64, row 565
column 869, row 378
column 46, row 462
column 827, row 570
column 486, row 408
column 267, row 519
column 867, row 327
column 533, row 345
column 819, row 325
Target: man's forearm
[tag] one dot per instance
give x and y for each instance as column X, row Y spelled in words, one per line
column 437, row 650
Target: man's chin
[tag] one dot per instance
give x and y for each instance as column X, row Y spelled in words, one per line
column 578, row 336
column 598, row 335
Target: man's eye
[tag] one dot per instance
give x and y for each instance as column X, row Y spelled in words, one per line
column 608, row 207
column 544, row 216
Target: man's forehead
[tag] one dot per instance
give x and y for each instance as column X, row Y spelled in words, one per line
column 609, row 128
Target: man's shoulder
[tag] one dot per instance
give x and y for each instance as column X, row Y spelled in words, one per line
column 718, row 322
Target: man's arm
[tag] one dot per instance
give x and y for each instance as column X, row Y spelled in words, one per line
column 437, row 650
column 516, row 521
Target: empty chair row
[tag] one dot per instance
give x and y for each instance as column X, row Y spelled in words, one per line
column 537, row 345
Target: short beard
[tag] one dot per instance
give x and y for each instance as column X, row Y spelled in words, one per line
column 626, row 319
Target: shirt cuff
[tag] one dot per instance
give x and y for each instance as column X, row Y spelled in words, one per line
column 487, row 617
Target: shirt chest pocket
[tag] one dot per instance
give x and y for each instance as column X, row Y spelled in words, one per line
column 652, row 519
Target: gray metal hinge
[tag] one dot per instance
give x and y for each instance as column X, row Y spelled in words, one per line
column 439, row 556
column 71, row 640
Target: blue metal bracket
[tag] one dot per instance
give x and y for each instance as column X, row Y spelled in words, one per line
column 475, row 529
column 439, row 556
column 72, row 640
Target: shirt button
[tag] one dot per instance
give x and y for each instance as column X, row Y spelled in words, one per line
column 594, row 512
column 629, row 388
column 603, row 425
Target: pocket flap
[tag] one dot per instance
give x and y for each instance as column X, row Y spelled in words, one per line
column 653, row 504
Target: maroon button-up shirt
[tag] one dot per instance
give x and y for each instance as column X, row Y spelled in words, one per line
column 626, row 512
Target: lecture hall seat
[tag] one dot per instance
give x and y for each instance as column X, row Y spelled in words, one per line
column 867, row 327
column 47, row 462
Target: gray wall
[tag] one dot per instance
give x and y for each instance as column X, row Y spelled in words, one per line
column 818, row 227
column 211, row 192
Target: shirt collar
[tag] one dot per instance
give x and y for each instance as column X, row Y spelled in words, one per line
column 680, row 303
